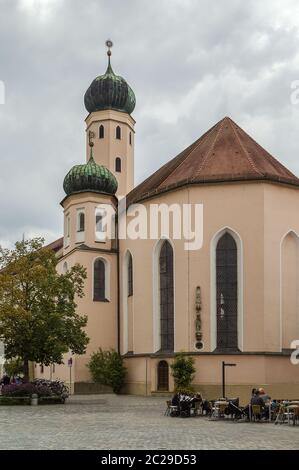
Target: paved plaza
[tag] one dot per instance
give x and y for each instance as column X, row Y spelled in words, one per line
column 127, row 422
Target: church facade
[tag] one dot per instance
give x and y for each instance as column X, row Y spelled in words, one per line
column 234, row 299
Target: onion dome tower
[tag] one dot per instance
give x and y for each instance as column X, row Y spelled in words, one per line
column 90, row 177
column 110, row 102
column 110, row 91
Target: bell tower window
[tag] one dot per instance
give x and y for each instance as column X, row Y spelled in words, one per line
column 80, row 226
column 118, row 165
column 81, row 222
column 118, row 133
column 101, row 132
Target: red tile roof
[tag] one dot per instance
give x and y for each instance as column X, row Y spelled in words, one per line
column 225, row 153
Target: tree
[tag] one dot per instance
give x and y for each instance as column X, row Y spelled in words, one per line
column 107, row 368
column 38, row 319
column 183, row 371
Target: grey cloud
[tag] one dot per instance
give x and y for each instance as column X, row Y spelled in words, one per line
column 190, row 62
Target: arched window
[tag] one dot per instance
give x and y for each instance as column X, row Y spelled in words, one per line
column 118, row 133
column 166, row 297
column 99, row 281
column 118, row 165
column 81, row 222
column 227, row 293
column 101, row 132
column 130, row 275
column 130, row 138
column 163, row 376
column 65, row 268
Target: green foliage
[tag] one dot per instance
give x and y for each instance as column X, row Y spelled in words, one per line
column 14, row 367
column 183, row 371
column 107, row 368
column 38, row 318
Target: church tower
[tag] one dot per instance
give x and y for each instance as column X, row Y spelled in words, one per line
column 110, row 102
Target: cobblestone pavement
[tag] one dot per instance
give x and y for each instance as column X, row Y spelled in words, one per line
column 127, row 422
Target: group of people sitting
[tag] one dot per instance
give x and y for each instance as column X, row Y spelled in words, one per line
column 183, row 403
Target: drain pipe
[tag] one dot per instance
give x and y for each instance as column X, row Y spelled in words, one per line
column 118, row 289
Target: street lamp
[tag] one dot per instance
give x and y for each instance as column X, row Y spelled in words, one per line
column 224, row 365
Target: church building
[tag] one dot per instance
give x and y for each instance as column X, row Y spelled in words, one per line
column 235, row 299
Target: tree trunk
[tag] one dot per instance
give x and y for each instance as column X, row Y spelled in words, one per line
column 26, row 370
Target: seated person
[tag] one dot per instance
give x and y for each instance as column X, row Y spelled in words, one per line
column 266, row 398
column 255, row 400
column 175, row 401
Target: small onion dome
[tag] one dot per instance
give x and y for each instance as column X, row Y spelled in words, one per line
column 90, row 177
column 110, row 91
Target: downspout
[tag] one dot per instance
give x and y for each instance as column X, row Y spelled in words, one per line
column 118, row 288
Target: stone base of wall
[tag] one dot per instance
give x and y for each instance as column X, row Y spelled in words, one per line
column 90, row 388
column 136, row 388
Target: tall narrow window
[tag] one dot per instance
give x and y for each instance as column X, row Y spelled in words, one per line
column 118, row 165
column 166, row 297
column 118, row 133
column 81, row 222
column 130, row 275
column 99, row 281
column 101, row 132
column 130, row 138
column 227, row 293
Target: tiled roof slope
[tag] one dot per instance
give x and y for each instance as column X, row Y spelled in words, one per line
column 225, row 153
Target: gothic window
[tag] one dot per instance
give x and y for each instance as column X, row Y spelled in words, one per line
column 130, row 138
column 166, row 297
column 130, row 275
column 118, row 165
column 99, row 281
column 227, row 293
column 118, row 133
column 163, row 376
column 101, row 132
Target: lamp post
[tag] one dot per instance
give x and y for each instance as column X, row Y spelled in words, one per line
column 224, row 365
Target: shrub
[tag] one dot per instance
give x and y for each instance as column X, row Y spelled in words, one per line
column 19, row 390
column 40, row 387
column 183, row 371
column 54, row 387
column 107, row 368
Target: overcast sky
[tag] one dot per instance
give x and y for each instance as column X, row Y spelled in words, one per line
column 190, row 63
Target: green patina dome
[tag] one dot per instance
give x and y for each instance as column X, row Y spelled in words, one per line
column 110, row 91
column 90, row 177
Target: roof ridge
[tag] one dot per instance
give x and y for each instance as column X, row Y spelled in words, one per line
column 244, row 149
column 210, row 150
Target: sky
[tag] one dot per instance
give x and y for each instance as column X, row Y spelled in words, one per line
column 189, row 62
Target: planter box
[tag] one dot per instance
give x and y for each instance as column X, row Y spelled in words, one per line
column 12, row 401
column 50, row 400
